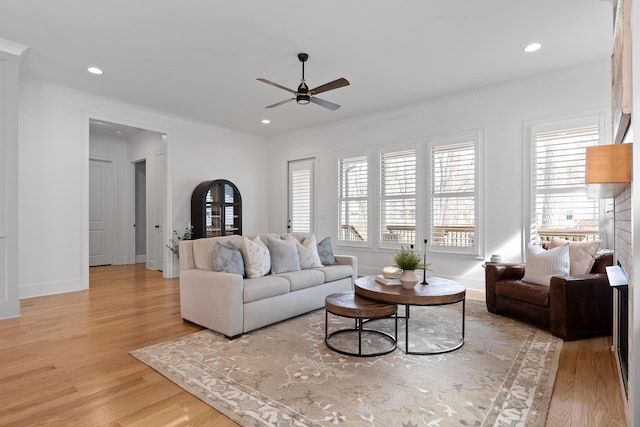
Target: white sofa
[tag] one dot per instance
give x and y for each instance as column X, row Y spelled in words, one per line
column 231, row 304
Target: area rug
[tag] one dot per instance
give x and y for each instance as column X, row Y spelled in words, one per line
column 284, row 375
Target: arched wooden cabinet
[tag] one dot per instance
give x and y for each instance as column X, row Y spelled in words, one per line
column 216, row 209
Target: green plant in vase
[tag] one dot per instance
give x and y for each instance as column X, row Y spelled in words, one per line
column 408, row 261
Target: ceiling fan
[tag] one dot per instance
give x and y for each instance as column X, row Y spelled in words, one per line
column 304, row 95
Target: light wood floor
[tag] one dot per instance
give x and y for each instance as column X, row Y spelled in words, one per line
column 65, row 362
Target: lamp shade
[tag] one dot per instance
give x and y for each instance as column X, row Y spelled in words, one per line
column 608, row 170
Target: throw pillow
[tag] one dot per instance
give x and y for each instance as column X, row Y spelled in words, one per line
column 257, row 261
column 325, row 252
column 227, row 259
column 582, row 255
column 308, row 253
column 284, row 255
column 542, row 264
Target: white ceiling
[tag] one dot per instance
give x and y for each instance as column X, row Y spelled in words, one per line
column 200, row 58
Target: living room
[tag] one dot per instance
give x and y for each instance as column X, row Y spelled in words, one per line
column 54, row 146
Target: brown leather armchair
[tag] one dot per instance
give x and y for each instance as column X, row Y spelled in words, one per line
column 571, row 307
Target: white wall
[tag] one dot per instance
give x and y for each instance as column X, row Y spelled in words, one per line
column 53, row 178
column 501, row 111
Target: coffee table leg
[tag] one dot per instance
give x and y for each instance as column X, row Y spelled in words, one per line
column 406, row 328
column 359, row 321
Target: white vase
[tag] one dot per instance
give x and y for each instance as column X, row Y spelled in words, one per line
column 409, row 279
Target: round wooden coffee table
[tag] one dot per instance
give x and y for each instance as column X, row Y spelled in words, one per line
column 348, row 304
column 439, row 291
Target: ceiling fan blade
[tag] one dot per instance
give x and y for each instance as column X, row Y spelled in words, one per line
column 280, row 103
column 276, row 85
column 326, row 104
column 330, row 86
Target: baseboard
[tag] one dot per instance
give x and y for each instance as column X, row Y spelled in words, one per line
column 40, row 289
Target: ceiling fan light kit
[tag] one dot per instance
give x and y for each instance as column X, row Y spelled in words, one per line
column 303, row 95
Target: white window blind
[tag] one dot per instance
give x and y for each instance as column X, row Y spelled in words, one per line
column 353, row 199
column 453, row 195
column 398, row 197
column 560, row 203
column 300, row 196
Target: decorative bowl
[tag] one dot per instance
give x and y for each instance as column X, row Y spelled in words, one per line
column 391, row 272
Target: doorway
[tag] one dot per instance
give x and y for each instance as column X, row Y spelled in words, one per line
column 137, row 203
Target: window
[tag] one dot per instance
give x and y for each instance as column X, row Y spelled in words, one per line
column 398, row 196
column 560, row 206
column 300, row 196
column 353, row 199
column 453, row 195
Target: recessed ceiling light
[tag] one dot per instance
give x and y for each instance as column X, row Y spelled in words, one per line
column 266, row 121
column 94, row 70
column 532, row 47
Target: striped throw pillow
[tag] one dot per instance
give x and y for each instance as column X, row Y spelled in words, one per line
column 542, row 264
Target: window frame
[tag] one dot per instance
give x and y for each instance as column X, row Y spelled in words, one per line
column 366, row 153
column 477, row 138
column 379, row 199
column 532, row 129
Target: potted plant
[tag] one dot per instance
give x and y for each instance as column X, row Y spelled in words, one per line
column 408, row 261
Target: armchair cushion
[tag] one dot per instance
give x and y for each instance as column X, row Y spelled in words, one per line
column 543, row 264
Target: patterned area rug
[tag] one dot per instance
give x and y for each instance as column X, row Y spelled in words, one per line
column 284, row 375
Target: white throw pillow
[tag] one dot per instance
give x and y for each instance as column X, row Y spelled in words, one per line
column 308, row 253
column 582, row 255
column 543, row 264
column 257, row 261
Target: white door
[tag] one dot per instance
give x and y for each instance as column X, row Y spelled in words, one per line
column 101, row 196
column 300, row 215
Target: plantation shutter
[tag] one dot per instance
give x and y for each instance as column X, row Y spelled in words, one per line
column 398, row 196
column 453, row 195
column 300, row 196
column 353, row 199
column 560, row 203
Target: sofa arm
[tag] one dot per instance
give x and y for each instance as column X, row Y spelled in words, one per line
column 213, row 300
column 580, row 306
column 352, row 261
column 496, row 272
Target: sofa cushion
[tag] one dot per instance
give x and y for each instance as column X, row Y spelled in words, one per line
column 257, row 261
column 264, row 287
column 336, row 272
column 227, row 259
column 522, row 291
column 542, row 264
column 284, row 256
column 302, row 279
column 325, row 252
column 582, row 254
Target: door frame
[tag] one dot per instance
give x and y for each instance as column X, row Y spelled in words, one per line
column 170, row 265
